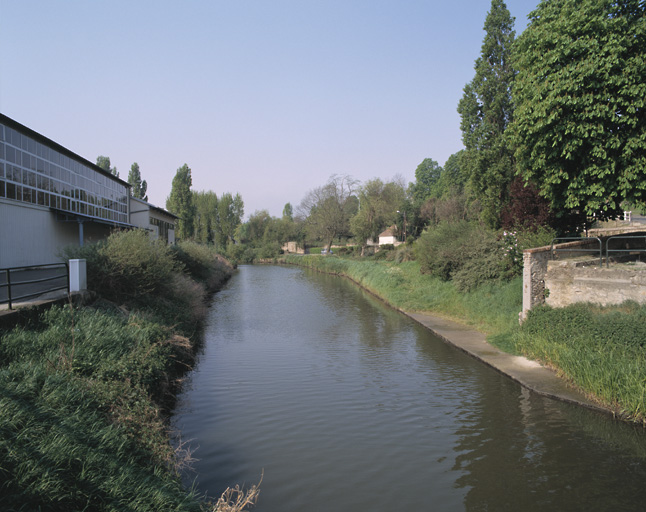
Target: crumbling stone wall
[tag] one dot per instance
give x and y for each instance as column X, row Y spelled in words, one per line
column 569, row 283
column 570, row 277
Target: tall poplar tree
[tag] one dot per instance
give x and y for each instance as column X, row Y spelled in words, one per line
column 486, row 110
column 230, row 213
column 104, row 163
column 139, row 187
column 180, row 202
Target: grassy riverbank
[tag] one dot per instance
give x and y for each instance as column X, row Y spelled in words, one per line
column 600, row 350
column 492, row 308
column 84, row 389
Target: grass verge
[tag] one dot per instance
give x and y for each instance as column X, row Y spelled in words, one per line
column 492, row 308
column 84, row 391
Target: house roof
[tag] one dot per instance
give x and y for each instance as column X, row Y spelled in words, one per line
column 152, row 207
column 391, row 231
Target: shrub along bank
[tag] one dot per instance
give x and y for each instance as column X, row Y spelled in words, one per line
column 83, row 389
column 601, row 350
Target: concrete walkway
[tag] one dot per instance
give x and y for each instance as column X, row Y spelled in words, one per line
column 527, row 373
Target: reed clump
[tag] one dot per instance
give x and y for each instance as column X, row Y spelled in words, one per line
column 84, row 391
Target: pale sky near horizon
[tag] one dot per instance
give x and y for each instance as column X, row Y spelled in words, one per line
column 266, row 98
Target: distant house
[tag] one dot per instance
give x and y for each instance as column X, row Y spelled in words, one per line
column 389, row 236
column 157, row 221
column 292, row 248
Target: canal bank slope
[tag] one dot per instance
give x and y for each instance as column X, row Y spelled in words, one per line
column 529, row 374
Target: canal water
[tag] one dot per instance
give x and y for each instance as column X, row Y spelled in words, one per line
column 346, row 405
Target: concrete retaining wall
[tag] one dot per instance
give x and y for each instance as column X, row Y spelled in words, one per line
column 568, row 283
column 580, row 281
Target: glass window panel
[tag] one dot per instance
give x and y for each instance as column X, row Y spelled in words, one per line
column 1, row 151
column 11, row 190
column 40, row 166
column 41, row 198
column 1, row 170
column 2, row 191
column 11, row 155
column 32, row 146
column 15, row 138
column 16, row 174
column 26, row 194
column 25, row 143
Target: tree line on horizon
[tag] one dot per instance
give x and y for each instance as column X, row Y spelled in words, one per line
column 554, row 132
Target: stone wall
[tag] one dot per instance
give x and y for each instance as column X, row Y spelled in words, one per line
column 576, row 274
column 568, row 283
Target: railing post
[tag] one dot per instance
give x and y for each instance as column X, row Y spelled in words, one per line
column 77, row 275
column 9, row 286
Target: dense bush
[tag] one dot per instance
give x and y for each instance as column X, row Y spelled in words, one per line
column 128, row 265
column 443, row 250
column 202, row 263
column 470, row 254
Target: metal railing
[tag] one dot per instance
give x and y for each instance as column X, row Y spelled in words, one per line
column 599, row 251
column 29, row 279
column 628, row 250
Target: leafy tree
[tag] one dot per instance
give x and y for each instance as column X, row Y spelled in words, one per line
column 230, row 212
column 180, row 202
column 256, row 226
column 526, row 209
column 288, row 212
column 327, row 209
column 453, row 179
column 139, row 187
column 379, row 203
column 580, row 122
column 486, row 110
column 104, row 163
column 206, row 216
column 427, row 175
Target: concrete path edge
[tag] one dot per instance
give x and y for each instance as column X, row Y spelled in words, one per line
column 529, row 374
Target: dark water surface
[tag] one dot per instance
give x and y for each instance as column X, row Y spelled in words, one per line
column 347, row 405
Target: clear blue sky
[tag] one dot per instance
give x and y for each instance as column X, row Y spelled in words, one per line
column 267, row 98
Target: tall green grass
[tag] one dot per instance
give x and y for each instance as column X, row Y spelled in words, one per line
column 81, row 426
column 84, row 390
column 600, row 349
column 491, row 308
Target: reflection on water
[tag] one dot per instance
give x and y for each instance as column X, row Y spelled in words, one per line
column 347, row 405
